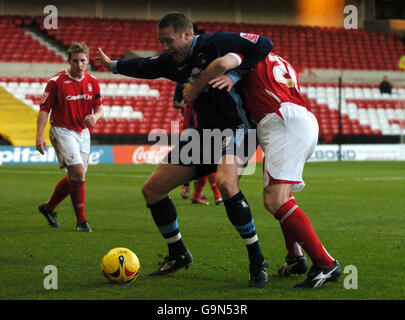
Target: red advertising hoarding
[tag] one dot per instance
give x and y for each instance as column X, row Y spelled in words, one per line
column 153, row 154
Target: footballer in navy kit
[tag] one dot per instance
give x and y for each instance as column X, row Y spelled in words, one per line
column 184, row 59
column 214, row 108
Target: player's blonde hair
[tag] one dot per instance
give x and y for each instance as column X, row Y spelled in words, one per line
column 78, row 47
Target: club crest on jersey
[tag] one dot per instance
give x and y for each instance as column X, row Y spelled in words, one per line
column 195, row 74
column 90, row 87
column 250, row 36
column 202, row 58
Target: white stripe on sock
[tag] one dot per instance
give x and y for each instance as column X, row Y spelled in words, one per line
column 297, row 249
column 251, row 240
column 328, row 254
column 288, row 213
column 175, row 238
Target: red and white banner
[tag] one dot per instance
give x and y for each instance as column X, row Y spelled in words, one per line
column 153, row 154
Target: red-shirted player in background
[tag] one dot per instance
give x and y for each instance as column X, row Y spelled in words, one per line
column 287, row 133
column 73, row 98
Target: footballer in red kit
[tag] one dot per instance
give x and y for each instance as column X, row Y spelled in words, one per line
column 273, row 82
column 287, row 133
column 73, row 100
column 70, row 100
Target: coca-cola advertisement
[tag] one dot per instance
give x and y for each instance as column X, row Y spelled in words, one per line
column 152, row 154
column 140, row 153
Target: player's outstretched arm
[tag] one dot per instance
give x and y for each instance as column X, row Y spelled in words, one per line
column 215, row 69
column 40, row 142
column 104, row 59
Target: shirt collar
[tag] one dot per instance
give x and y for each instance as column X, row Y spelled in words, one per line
column 68, row 74
column 193, row 45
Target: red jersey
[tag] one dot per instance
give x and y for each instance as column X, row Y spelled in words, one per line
column 273, row 81
column 70, row 100
column 188, row 117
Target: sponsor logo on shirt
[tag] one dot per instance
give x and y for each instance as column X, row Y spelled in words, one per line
column 250, row 36
column 80, row 96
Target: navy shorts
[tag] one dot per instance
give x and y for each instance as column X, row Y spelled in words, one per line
column 204, row 148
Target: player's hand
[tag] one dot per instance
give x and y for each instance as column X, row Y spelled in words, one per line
column 188, row 92
column 222, row 82
column 89, row 120
column 104, row 59
column 179, row 105
column 40, row 145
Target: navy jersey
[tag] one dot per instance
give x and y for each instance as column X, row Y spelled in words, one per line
column 214, row 108
column 178, row 94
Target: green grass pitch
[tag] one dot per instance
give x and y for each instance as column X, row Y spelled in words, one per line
column 356, row 208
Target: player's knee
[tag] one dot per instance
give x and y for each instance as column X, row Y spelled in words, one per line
column 77, row 175
column 147, row 191
column 227, row 187
column 272, row 202
column 268, row 204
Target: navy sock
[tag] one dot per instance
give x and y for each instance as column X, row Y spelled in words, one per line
column 165, row 216
column 240, row 216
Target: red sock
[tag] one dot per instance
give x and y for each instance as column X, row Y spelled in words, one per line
column 199, row 186
column 293, row 248
column 59, row 194
column 297, row 224
column 77, row 196
column 212, row 179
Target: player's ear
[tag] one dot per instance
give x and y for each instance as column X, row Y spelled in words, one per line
column 187, row 33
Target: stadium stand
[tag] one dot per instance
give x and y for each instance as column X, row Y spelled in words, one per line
column 303, row 46
column 325, row 47
column 131, row 106
column 138, row 106
column 134, row 106
column 17, row 120
column 19, row 46
column 115, row 36
column 365, row 111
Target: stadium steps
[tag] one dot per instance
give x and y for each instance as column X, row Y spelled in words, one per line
column 18, row 121
column 44, row 40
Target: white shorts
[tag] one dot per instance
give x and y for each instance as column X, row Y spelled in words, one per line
column 287, row 144
column 71, row 147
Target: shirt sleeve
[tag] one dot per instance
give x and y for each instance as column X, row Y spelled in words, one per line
column 178, row 93
column 49, row 96
column 98, row 101
column 145, row 68
column 251, row 48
